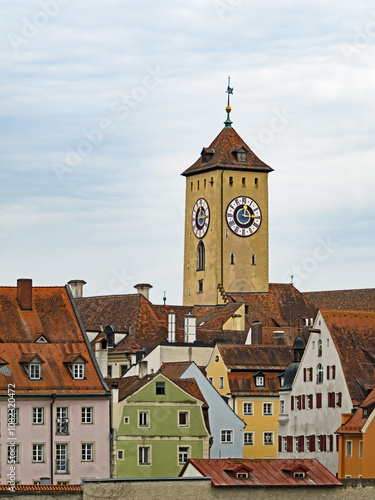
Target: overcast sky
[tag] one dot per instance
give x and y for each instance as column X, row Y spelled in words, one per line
column 105, row 102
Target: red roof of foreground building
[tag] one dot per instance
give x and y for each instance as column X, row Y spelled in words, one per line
column 42, row 487
column 272, row 472
column 47, row 330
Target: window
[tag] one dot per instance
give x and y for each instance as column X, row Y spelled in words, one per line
column 120, row 454
column 201, row 256
column 126, row 420
column 320, row 348
column 160, row 388
column 143, row 419
column 248, row 438
column 35, row 371
column 87, row 452
column 211, row 380
column 231, row 181
column 319, row 374
column 87, row 413
column 183, row 454
column 200, row 286
column 296, row 443
column 62, row 421
column 267, row 438
column 360, row 449
column 183, row 419
column 123, row 369
column 144, row 455
column 282, row 407
column 13, row 453
column 284, row 444
column 319, row 443
column 253, row 260
column 256, row 181
column 310, row 402
column 221, row 382
column 217, row 357
column 299, row 475
column 267, row 408
column 226, row 437
column 78, row 371
column 307, row 441
column 109, row 371
column 248, row 408
column 38, row 415
column 348, row 448
column 259, row 381
column 242, row 475
column 241, row 156
column 232, row 259
column 62, row 459
column 38, row 453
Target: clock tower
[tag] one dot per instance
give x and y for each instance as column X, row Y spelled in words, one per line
column 226, row 221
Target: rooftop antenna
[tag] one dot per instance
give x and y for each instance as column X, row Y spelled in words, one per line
column 228, row 122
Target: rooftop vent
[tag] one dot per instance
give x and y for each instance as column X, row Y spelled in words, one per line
column 143, row 289
column 77, row 288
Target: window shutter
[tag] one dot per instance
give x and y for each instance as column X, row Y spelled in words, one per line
column 337, row 442
column 318, row 399
column 324, row 443
column 280, row 443
column 311, row 374
column 333, row 371
column 311, row 401
column 301, row 441
column 304, row 374
column 339, row 399
column 303, row 402
column 312, row 442
column 289, row 443
column 331, row 442
column 298, row 402
column 292, row 403
column 327, row 372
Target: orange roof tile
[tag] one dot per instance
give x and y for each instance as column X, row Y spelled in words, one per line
column 346, row 300
column 43, row 487
column 256, row 357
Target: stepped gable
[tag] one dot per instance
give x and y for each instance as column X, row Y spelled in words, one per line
column 282, row 306
column 353, row 335
column 222, row 155
column 50, row 331
column 346, row 300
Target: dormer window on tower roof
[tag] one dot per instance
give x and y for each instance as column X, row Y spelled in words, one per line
column 207, row 154
column 240, row 154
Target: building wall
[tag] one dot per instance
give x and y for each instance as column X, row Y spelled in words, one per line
column 216, row 369
column 27, row 434
column 322, row 421
column 220, row 242
column 350, row 466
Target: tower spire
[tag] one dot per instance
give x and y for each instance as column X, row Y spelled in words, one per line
column 228, row 122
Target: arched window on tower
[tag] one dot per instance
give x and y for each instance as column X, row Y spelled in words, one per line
column 201, row 256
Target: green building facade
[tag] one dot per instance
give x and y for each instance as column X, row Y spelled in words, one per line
column 158, row 427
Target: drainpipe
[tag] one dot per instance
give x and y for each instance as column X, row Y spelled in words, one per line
column 51, row 416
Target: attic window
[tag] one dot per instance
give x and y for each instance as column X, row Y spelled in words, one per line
column 241, row 156
column 259, row 380
column 42, row 340
column 242, row 475
column 298, row 475
column 78, row 371
column 35, row 371
column 160, row 388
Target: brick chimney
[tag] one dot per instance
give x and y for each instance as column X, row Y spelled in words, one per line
column 25, row 294
column 256, row 333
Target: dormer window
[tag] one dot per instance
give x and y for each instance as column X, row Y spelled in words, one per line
column 78, row 371
column 241, row 156
column 299, row 475
column 207, row 154
column 35, row 371
column 259, row 380
column 242, row 475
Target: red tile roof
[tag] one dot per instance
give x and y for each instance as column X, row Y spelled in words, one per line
column 272, row 472
column 43, row 487
column 53, row 317
column 353, row 335
column 256, row 357
column 243, row 384
column 222, row 148
column 346, row 300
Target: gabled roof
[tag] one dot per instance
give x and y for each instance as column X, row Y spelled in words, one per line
column 223, row 147
column 42, row 487
column 52, row 315
column 356, row 422
column 243, row 384
column 353, row 333
column 345, row 300
column 264, row 472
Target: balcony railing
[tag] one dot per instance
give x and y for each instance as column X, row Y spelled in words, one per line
column 62, row 466
column 62, row 426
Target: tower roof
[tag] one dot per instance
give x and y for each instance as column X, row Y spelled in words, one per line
column 221, row 154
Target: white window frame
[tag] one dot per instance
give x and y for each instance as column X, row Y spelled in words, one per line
column 267, row 442
column 248, row 442
column 35, row 371
column 61, row 455
column 143, row 418
column 187, row 418
column 267, row 409
column 296, row 444
column 259, row 381
column 78, row 371
column 248, row 408
column 226, row 436
column 87, row 415
column 319, row 374
column 221, row 382
column 38, row 415
column 87, row 452
column 38, row 453
column 144, row 452
column 282, row 406
column 348, row 448
column 183, row 454
column 284, row 444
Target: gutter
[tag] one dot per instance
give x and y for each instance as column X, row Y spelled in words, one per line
column 51, row 444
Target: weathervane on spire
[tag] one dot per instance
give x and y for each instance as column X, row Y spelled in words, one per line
column 228, row 122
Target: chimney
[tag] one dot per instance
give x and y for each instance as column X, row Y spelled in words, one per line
column 171, row 327
column 77, row 288
column 143, row 289
column 114, row 392
column 190, row 328
column 278, row 336
column 256, row 333
column 25, row 294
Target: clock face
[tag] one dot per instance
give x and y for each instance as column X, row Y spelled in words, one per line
column 200, row 218
column 243, row 216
